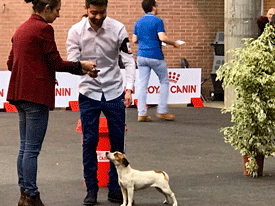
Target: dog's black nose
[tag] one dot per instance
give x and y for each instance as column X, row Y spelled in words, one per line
column 107, row 153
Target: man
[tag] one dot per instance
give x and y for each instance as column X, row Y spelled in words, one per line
column 101, row 39
column 149, row 33
column 263, row 20
column 270, row 13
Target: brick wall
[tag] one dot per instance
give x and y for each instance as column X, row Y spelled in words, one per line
column 194, row 21
column 268, row 4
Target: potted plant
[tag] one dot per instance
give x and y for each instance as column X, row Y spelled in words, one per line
column 252, row 73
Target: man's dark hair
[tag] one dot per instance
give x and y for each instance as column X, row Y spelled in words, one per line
column 147, row 5
column 96, row 3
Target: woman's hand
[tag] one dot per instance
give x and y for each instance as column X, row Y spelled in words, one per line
column 89, row 68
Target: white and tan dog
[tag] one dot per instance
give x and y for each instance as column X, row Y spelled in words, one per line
column 130, row 179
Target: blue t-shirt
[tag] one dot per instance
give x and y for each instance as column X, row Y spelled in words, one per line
column 147, row 29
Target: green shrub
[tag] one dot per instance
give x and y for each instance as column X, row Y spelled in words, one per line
column 252, row 73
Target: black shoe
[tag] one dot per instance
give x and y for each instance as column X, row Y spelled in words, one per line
column 115, row 196
column 91, row 198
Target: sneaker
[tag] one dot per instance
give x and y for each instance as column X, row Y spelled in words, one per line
column 91, row 198
column 115, row 196
column 144, row 118
column 166, row 116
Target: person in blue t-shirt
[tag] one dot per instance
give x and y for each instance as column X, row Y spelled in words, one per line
column 149, row 33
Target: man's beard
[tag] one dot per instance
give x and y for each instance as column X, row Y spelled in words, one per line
column 97, row 22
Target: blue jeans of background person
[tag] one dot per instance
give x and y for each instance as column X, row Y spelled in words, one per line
column 33, row 122
column 90, row 110
column 145, row 65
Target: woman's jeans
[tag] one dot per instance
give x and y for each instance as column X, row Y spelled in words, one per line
column 90, row 110
column 145, row 65
column 33, row 121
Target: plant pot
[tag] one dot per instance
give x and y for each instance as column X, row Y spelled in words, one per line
column 259, row 161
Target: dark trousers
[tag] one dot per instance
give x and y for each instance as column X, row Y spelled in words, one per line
column 90, row 110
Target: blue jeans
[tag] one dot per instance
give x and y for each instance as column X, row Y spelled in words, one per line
column 33, row 122
column 145, row 65
column 90, row 110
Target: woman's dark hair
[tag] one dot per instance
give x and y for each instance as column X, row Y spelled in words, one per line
column 147, row 5
column 96, row 3
column 84, row 16
column 39, row 5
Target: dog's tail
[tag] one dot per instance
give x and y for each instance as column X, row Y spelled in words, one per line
column 166, row 177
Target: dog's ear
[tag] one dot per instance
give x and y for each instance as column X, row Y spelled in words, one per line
column 125, row 162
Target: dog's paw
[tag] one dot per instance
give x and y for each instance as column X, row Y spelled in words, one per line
column 166, row 202
column 123, row 204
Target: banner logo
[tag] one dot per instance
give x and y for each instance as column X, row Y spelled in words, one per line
column 101, row 156
column 1, row 92
column 173, row 77
column 64, row 92
column 183, row 89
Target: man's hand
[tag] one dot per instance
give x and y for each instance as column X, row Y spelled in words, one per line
column 176, row 44
column 89, row 68
column 128, row 98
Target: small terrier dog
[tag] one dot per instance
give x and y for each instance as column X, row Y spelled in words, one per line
column 130, row 179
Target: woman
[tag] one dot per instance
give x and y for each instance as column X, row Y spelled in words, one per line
column 33, row 61
column 261, row 22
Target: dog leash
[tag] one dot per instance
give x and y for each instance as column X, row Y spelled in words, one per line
column 126, row 129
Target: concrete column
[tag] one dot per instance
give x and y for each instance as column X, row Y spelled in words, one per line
column 240, row 21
